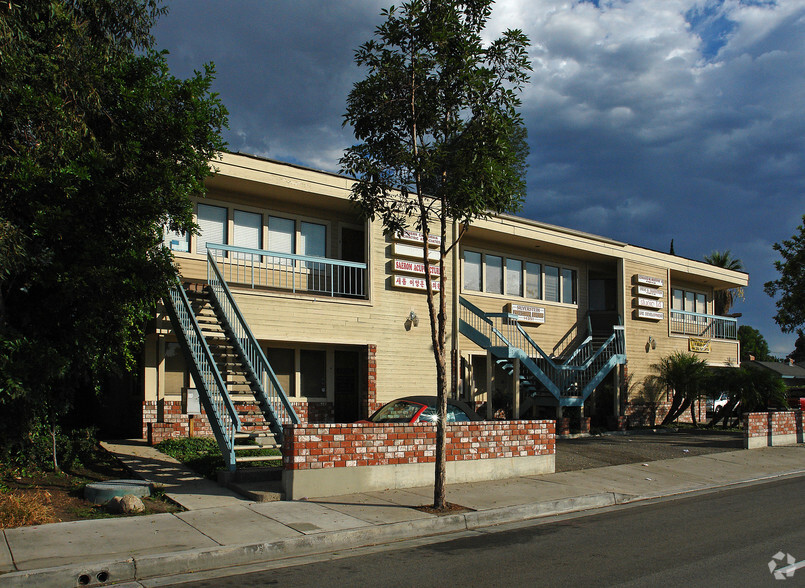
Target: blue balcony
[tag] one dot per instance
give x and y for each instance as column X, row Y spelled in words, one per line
column 306, row 274
column 706, row 326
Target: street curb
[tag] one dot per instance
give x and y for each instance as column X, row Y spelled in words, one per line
column 211, row 558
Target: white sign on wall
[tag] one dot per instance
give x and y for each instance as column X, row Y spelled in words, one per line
column 649, row 281
column 416, row 283
column 650, row 302
column 417, row 237
column 403, row 265
column 527, row 314
column 649, row 314
column 404, row 250
column 646, row 291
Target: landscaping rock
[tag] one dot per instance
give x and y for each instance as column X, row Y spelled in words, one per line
column 128, row 504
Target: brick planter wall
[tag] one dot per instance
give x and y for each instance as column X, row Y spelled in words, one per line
column 164, row 419
column 326, row 460
column 764, row 429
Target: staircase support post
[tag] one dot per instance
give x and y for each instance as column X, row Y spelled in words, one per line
column 490, row 383
column 616, row 374
column 516, row 388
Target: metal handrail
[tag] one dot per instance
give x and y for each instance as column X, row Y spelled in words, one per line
column 269, row 390
column 288, row 271
column 224, row 420
column 570, row 378
column 700, row 325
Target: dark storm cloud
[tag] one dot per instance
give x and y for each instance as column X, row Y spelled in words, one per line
column 648, row 120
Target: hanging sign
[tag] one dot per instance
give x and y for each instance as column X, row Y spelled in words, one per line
column 416, row 283
column 699, row 345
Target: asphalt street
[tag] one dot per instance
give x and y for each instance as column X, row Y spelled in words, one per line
column 722, row 538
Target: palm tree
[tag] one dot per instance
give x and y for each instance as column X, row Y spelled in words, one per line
column 687, row 375
column 724, row 299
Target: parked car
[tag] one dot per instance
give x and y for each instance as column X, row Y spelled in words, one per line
column 797, row 401
column 422, row 409
column 720, row 401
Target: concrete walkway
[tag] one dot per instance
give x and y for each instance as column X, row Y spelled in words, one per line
column 219, row 529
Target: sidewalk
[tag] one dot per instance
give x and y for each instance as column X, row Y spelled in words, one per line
column 220, row 529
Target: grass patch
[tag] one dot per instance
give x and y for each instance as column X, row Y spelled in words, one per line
column 202, row 455
column 25, row 509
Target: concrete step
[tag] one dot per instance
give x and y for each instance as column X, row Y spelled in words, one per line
column 254, row 458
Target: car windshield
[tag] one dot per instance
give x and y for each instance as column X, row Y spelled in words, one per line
column 399, row 411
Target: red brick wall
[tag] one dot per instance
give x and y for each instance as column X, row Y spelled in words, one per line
column 760, row 424
column 367, row 444
column 165, row 420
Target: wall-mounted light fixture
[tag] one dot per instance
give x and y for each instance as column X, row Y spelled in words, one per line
column 412, row 320
column 651, row 344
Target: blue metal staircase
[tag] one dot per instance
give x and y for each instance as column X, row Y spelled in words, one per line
column 549, row 381
column 237, row 386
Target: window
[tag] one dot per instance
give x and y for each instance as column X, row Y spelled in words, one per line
column 472, row 271
column 312, row 239
column 551, row 283
column 514, row 277
column 248, row 228
column 533, row 284
column 284, row 365
column 494, row 274
column 281, row 234
column 568, row 286
column 176, row 241
column 212, row 226
column 688, row 301
column 484, row 272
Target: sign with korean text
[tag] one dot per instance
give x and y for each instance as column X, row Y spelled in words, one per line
column 416, row 283
column 414, row 267
column 699, row 345
column 526, row 314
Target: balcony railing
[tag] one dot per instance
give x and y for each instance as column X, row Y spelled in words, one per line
column 257, row 268
column 703, row 325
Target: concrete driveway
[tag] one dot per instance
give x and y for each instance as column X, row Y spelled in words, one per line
column 641, row 447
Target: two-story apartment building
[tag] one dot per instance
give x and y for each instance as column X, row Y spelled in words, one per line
column 542, row 315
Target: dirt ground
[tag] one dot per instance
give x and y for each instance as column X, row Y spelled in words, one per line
column 47, row 497
column 641, row 447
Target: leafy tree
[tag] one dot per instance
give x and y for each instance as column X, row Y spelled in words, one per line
column 798, row 355
column 753, row 343
column 750, row 390
column 441, row 139
column 687, row 375
column 725, row 299
column 791, row 283
column 100, row 148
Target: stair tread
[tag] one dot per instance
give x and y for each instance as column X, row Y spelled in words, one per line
column 258, row 458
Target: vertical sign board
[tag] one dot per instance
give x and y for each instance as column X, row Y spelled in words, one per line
column 407, row 250
column 649, row 297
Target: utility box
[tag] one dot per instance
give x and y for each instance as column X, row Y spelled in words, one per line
column 190, row 399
